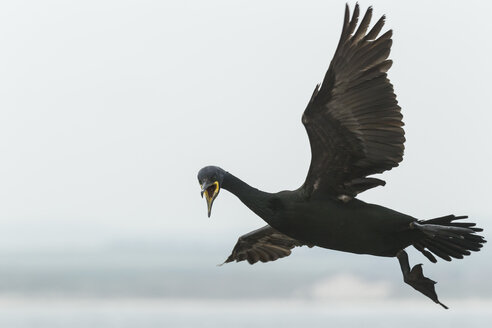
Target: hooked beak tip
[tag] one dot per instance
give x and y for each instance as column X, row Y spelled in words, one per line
column 209, row 207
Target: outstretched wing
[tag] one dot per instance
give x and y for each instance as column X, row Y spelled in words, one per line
column 265, row 244
column 353, row 120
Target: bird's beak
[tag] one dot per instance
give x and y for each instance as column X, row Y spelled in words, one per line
column 210, row 190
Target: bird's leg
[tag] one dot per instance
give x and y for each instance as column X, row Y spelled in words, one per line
column 416, row 279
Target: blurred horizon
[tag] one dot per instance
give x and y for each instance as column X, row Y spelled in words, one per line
column 182, row 269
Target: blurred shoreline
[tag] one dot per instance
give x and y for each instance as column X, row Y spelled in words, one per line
column 54, row 312
column 224, row 304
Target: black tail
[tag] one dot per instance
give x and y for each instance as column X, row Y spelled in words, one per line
column 448, row 239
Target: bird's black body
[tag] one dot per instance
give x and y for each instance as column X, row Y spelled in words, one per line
column 354, row 126
column 355, row 226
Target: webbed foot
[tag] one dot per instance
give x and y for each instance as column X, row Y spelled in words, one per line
column 416, row 278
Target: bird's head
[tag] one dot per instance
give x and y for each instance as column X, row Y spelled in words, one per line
column 210, row 179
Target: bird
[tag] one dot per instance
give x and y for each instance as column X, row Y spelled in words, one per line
column 355, row 130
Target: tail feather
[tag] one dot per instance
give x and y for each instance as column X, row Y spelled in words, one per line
column 448, row 239
column 448, row 221
column 454, row 247
column 421, row 248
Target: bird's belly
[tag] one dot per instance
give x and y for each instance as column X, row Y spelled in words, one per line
column 357, row 228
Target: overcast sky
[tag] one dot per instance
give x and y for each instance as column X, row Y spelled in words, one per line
column 109, row 108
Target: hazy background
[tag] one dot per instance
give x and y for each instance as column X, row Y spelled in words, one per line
column 109, row 108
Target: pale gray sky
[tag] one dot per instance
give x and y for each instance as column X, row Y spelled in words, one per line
column 109, row 108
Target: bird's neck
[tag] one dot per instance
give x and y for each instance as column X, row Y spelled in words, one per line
column 256, row 200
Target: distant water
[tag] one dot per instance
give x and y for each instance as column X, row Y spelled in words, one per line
column 144, row 313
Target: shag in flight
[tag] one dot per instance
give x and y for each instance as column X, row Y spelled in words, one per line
column 355, row 130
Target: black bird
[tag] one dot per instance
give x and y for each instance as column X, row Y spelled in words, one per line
column 355, row 130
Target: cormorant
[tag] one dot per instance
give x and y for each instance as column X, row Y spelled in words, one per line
column 355, row 130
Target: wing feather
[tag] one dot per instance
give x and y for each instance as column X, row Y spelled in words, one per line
column 265, row 244
column 353, row 120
